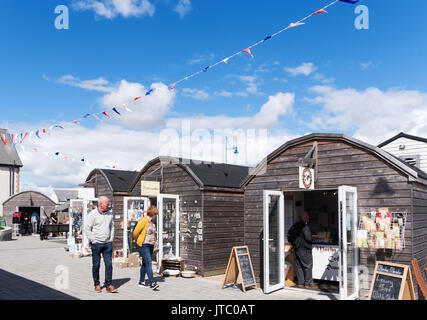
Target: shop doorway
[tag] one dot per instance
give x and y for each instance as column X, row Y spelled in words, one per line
column 333, row 219
column 168, row 227
column 26, row 214
column 134, row 208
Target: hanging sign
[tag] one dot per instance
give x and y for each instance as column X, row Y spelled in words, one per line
column 392, row 281
column 306, row 178
column 150, row 188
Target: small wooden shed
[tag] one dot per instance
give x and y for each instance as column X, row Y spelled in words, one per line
column 210, row 207
column 27, row 202
column 349, row 175
column 113, row 184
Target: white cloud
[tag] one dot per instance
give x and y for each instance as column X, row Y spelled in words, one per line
column 366, row 65
column 99, row 84
column 183, row 7
column 305, row 68
column 320, row 77
column 371, row 115
column 195, row 94
column 267, row 117
column 149, row 111
column 112, row 8
column 224, row 93
column 199, row 58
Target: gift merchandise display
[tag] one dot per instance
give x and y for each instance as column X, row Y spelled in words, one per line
column 382, row 230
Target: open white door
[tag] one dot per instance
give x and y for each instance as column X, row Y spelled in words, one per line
column 348, row 273
column 168, row 226
column 88, row 206
column 134, row 208
column 75, row 205
column 274, row 241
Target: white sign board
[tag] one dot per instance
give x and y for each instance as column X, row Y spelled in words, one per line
column 306, row 178
column 150, row 188
column 325, row 262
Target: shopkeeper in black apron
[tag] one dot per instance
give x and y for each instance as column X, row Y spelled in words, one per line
column 301, row 239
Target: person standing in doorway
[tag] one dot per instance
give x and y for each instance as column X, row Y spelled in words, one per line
column 301, row 239
column 43, row 223
column 99, row 230
column 145, row 238
column 35, row 221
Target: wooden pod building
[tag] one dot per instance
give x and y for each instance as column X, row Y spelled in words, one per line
column 113, row 184
column 201, row 210
column 365, row 205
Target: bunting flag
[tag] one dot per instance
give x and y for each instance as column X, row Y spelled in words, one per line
column 58, row 126
column 319, row 11
column 96, row 117
column 137, row 98
column 56, row 153
column 350, row 1
column 267, row 38
column 3, row 139
column 37, row 134
column 173, row 85
column 206, row 68
column 76, row 122
column 22, row 139
column 225, row 60
column 128, row 110
column 295, row 24
column 36, row 150
column 115, row 110
column 87, row 116
column 83, row 159
column 149, row 92
column 44, row 130
column 248, row 51
column 105, row 114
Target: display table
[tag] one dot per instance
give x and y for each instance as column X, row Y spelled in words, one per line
column 325, row 262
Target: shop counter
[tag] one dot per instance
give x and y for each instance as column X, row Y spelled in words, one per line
column 325, row 262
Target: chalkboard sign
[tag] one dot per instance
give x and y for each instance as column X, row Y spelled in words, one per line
column 386, row 288
column 240, row 265
column 391, row 282
column 246, row 269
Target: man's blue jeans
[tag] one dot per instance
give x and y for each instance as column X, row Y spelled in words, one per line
column 106, row 249
column 145, row 252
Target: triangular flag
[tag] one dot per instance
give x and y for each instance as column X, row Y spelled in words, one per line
column 37, row 134
column 3, row 138
column 149, row 92
column 226, row 60
column 56, row 153
column 206, row 68
column 76, row 122
column 36, row 150
column 44, row 130
column 105, row 114
column 128, row 110
column 87, row 115
column 319, row 11
column 96, row 117
column 137, row 98
column 22, row 139
column 295, row 24
column 173, row 85
column 268, row 38
column 248, row 51
column 83, row 159
column 58, row 126
column 115, row 110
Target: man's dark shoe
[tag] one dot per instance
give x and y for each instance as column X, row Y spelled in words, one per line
column 111, row 289
column 98, row 289
column 154, row 286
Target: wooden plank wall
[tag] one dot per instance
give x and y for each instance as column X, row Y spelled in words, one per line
column 223, row 228
column 378, row 184
column 420, row 227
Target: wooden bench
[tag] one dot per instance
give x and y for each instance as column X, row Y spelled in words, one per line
column 55, row 228
column 419, row 277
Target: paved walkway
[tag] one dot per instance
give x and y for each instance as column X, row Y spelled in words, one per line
column 34, row 269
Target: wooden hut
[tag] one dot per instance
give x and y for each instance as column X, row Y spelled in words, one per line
column 209, row 205
column 345, row 184
column 113, row 184
column 27, row 202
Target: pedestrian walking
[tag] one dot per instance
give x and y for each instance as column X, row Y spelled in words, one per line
column 99, row 230
column 145, row 238
column 301, row 239
column 35, row 221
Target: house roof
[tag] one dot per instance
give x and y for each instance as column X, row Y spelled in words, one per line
column 64, row 195
column 206, row 174
column 402, row 135
column 119, row 180
column 412, row 172
column 8, row 154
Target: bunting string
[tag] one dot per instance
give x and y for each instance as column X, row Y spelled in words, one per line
column 117, row 111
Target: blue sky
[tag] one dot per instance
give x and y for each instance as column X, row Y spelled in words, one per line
column 164, row 46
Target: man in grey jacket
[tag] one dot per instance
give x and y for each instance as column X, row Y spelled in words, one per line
column 99, row 230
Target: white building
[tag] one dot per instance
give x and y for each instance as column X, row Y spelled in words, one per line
column 61, row 196
column 411, row 149
column 10, row 165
